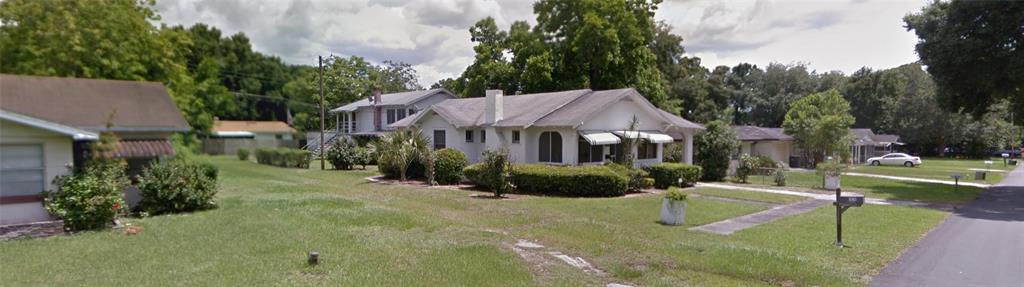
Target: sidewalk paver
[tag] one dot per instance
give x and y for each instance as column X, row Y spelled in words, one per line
column 729, row 226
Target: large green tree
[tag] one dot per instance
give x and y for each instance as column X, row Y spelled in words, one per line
column 820, row 123
column 974, row 50
column 112, row 39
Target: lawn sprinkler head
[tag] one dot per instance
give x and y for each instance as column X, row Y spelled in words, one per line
column 314, row 258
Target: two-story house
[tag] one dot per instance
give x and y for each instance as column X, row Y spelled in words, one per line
column 372, row 116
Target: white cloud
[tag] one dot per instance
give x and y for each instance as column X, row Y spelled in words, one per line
column 432, row 35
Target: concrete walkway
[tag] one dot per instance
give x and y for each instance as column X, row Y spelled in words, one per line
column 949, row 182
column 729, row 226
column 980, row 244
column 829, row 197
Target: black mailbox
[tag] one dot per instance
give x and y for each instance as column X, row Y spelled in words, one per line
column 850, row 199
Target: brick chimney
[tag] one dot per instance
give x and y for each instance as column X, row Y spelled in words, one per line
column 493, row 110
column 376, row 111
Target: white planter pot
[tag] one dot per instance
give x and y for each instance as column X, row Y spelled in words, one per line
column 831, row 182
column 673, row 212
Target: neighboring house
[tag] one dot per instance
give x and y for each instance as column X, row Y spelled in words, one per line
column 46, row 124
column 777, row 145
column 371, row 117
column 770, row 142
column 568, row 127
column 227, row 137
column 866, row 144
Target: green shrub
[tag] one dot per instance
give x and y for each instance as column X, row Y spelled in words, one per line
column 670, row 174
column 747, row 166
column 648, row 182
column 780, row 175
column 715, row 146
column 284, row 157
column 496, row 171
column 342, row 154
column 830, row 168
column 635, row 175
column 448, row 165
column 91, row 198
column 177, row 185
column 365, row 156
column 673, row 152
column 243, row 154
column 593, row 180
column 474, row 173
column 400, row 154
column 675, row 194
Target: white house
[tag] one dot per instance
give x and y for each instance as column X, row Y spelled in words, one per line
column 770, row 142
column 568, row 127
column 372, row 116
column 46, row 124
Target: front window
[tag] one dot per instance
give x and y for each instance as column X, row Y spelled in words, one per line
column 391, row 116
column 550, row 147
column 590, row 153
column 483, row 136
column 439, row 139
column 401, row 114
column 21, row 173
column 515, row 137
column 469, row 136
column 646, row 150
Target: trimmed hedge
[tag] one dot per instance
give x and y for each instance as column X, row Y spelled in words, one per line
column 178, row 185
column 668, row 174
column 284, row 157
column 243, row 154
column 448, row 165
column 569, row 180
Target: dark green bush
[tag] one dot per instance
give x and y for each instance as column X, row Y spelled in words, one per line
column 91, row 198
column 243, row 154
column 474, row 173
column 284, row 157
column 635, row 175
column 669, row 174
column 715, row 146
column 343, row 154
column 594, row 180
column 648, row 182
column 448, row 165
column 673, row 152
column 178, row 185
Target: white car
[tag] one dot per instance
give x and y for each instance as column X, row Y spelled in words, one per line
column 895, row 159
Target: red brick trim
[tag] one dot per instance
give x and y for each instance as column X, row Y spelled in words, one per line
column 20, row 199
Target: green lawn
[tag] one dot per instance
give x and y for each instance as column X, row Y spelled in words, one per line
column 882, row 188
column 941, row 168
column 371, row 234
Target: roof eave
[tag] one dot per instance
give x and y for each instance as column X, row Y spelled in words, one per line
column 75, row 133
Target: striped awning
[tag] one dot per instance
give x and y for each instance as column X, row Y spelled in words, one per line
column 143, row 149
column 600, row 138
column 653, row 137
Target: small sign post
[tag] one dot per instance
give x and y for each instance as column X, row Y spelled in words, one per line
column 956, row 180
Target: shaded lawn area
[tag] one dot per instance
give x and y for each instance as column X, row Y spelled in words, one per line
column 883, row 188
column 941, row 168
column 372, row 234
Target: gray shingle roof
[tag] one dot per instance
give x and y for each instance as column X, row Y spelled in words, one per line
column 392, row 99
column 565, row 108
column 87, row 103
column 754, row 133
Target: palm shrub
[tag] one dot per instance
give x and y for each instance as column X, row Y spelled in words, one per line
column 673, row 152
column 177, row 185
column 714, row 150
column 399, row 150
column 91, row 198
column 448, row 165
column 243, row 154
column 342, row 154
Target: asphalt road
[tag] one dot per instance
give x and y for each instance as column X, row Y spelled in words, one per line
column 980, row 244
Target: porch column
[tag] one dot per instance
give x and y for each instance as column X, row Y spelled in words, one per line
column 688, row 147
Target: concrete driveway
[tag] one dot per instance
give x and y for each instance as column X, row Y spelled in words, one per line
column 980, row 244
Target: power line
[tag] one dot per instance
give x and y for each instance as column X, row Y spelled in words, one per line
column 276, row 99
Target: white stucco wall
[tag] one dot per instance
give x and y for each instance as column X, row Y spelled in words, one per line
column 776, row 150
column 364, row 120
column 619, row 115
column 57, row 157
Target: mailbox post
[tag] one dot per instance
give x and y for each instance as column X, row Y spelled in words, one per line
column 844, row 200
column 956, row 180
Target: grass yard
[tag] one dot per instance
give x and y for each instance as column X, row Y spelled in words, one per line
column 882, row 188
column 372, row 234
column 941, row 168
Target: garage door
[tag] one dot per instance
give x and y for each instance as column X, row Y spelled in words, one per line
column 21, row 170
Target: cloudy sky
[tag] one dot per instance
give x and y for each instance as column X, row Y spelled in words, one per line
column 433, row 35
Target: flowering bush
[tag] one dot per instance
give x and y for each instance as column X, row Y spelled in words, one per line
column 90, row 199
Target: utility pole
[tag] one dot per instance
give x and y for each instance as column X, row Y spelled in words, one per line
column 320, row 60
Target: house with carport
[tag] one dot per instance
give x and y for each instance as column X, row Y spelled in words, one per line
column 567, row 127
column 47, row 123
